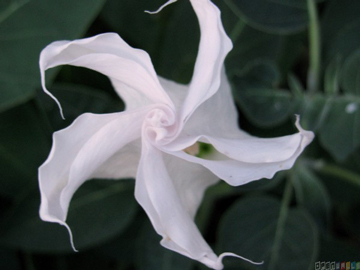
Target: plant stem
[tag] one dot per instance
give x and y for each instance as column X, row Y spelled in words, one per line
column 315, row 51
column 281, row 225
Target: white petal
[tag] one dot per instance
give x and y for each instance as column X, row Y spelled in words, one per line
column 254, row 161
column 110, row 55
column 214, row 46
column 176, row 91
column 77, row 152
column 216, row 116
column 190, row 181
column 159, row 196
column 123, row 164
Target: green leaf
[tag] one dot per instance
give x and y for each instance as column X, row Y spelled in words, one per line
column 251, row 45
column 340, row 130
column 340, row 26
column 257, row 74
column 266, row 107
column 9, row 7
column 281, row 17
column 24, row 144
column 336, row 249
column 135, row 26
column 249, row 227
column 31, row 27
column 263, row 106
column 172, row 47
column 350, row 79
column 313, row 111
column 295, row 85
column 123, row 247
column 99, row 210
column 332, row 77
column 9, row 260
column 152, row 256
column 75, row 100
column 262, row 184
column 336, row 120
column 312, row 194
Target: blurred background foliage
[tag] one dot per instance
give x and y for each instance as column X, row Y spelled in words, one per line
column 289, row 57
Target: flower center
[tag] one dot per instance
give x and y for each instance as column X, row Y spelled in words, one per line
column 200, row 149
column 160, row 124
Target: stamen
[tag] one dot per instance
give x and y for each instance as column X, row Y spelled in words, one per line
column 193, row 149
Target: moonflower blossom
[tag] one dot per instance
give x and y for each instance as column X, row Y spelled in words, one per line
column 154, row 138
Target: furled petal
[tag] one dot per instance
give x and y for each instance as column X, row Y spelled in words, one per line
column 176, row 91
column 217, row 116
column 255, row 160
column 171, row 217
column 78, row 151
column 113, row 57
column 123, row 164
column 190, row 181
column 214, row 46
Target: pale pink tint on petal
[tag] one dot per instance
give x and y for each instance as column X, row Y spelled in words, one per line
column 213, row 48
column 113, row 57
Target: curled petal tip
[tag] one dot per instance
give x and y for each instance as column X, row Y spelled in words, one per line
column 161, row 8
column 307, row 133
column 229, row 254
column 218, row 265
column 70, row 235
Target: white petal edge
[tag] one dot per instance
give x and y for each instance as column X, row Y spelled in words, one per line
column 77, row 152
column 213, row 48
column 236, row 172
column 111, row 56
column 157, row 194
column 190, row 181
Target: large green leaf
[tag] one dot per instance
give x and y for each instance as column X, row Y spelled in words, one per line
column 99, row 210
column 340, row 129
column 336, row 249
column 332, row 77
column 313, row 111
column 77, row 99
column 171, row 45
column 251, row 228
column 266, row 107
column 282, row 17
column 9, row 260
column 340, row 26
column 259, row 73
column 350, row 79
column 24, row 144
column 152, row 256
column 251, row 45
column 135, row 26
column 336, row 119
column 254, row 90
column 27, row 30
column 312, row 194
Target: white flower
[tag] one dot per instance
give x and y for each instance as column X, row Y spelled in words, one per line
column 147, row 140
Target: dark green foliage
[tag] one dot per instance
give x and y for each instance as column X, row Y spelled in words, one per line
column 307, row 214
